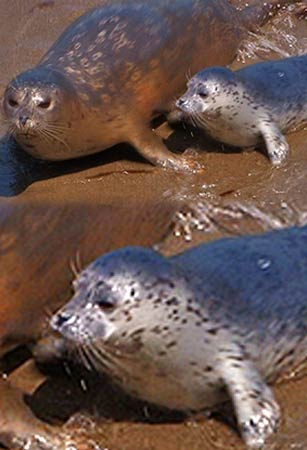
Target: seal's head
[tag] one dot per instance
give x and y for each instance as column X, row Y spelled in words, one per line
column 120, row 302
column 133, row 316
column 223, row 104
column 36, row 106
column 208, row 91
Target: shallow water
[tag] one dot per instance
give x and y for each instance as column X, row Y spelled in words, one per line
column 238, row 193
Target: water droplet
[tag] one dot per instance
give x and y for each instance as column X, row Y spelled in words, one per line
column 264, row 263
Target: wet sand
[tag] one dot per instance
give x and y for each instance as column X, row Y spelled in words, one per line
column 50, row 209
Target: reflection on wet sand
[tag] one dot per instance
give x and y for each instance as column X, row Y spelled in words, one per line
column 127, row 183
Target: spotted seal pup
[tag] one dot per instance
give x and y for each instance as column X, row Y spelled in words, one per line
column 115, row 68
column 257, row 103
column 221, row 319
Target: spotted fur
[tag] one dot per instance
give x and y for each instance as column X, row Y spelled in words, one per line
column 118, row 66
column 217, row 321
column 252, row 105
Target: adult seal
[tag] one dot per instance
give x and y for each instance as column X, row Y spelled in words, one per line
column 220, row 320
column 252, row 105
column 117, row 67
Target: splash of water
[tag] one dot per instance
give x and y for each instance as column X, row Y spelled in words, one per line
column 277, row 40
column 209, row 217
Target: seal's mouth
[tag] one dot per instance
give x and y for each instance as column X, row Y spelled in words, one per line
column 183, row 104
column 92, row 337
column 28, row 130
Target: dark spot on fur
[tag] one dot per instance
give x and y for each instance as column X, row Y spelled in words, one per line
column 171, row 344
column 172, row 302
column 156, row 329
column 212, row 331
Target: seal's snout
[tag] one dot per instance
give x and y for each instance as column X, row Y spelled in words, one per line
column 191, row 102
column 180, row 102
column 184, row 104
column 23, row 119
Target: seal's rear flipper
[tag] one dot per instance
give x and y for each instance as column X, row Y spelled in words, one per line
column 257, row 15
column 256, row 410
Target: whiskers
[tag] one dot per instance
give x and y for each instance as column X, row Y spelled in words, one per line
column 75, row 264
column 53, row 132
column 95, row 358
column 12, row 129
column 59, row 127
column 47, row 316
column 48, row 313
column 98, row 357
column 199, row 121
column 188, row 74
column 84, row 357
column 49, row 132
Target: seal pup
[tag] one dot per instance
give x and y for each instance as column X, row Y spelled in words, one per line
column 117, row 67
column 219, row 320
column 252, row 105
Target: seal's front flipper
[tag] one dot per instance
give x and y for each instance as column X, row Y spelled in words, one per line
column 276, row 144
column 256, row 410
column 151, row 147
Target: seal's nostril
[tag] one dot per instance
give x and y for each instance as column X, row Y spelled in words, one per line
column 59, row 320
column 23, row 120
column 180, row 102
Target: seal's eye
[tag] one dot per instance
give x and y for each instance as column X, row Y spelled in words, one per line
column 101, row 295
column 45, row 104
column 203, row 94
column 105, row 303
column 12, row 102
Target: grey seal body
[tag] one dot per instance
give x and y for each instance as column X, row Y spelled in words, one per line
column 117, row 67
column 257, row 103
column 220, row 320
